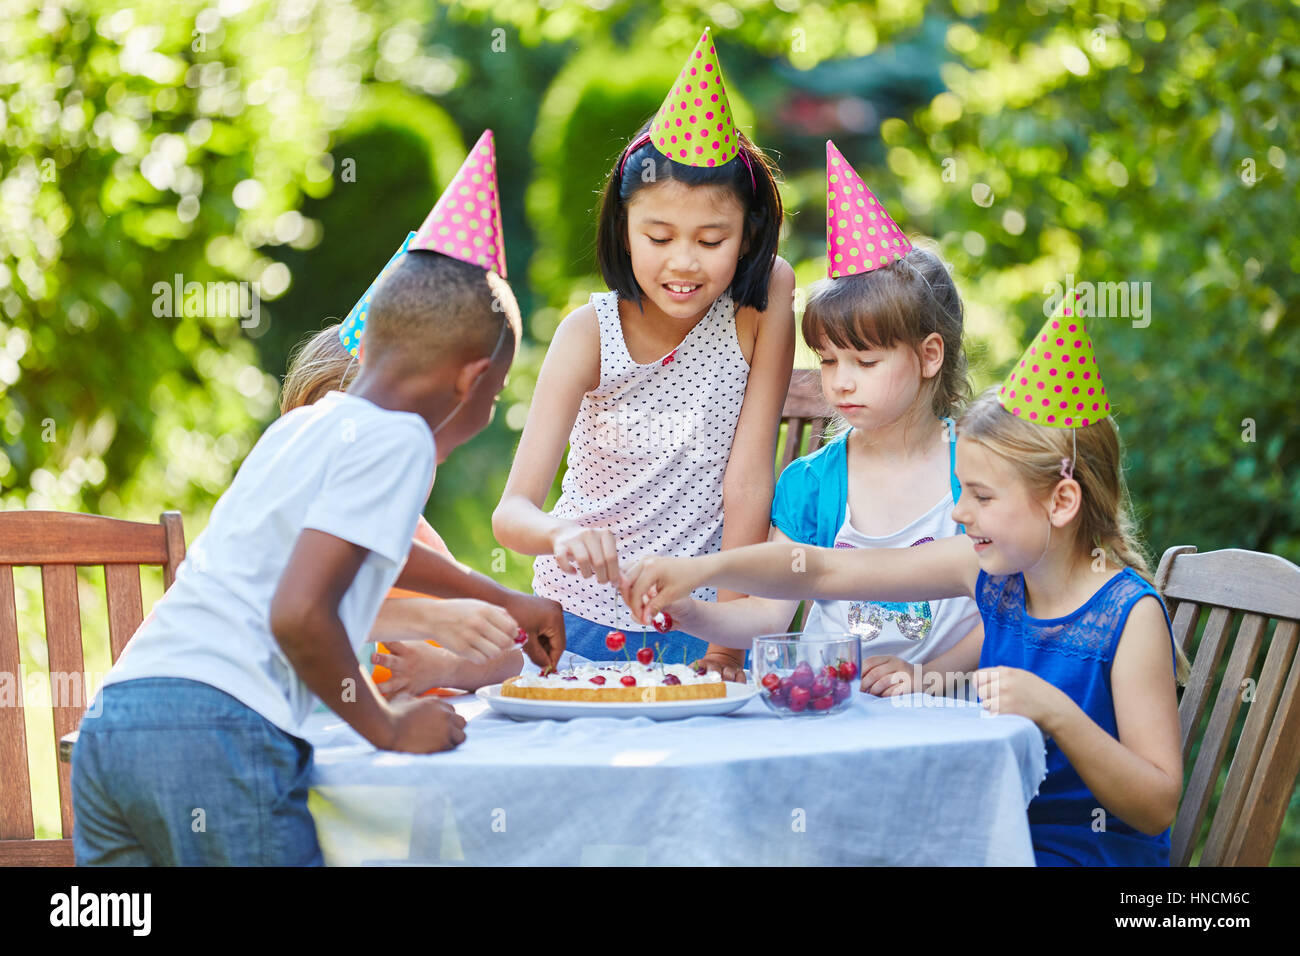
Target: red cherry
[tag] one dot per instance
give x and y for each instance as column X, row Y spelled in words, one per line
column 521, row 636
column 823, row 703
column 798, row 698
column 548, row 670
column 842, row 690
column 771, row 681
column 803, row 666
column 569, row 678
column 829, row 672
column 802, row 678
column 821, row 687
column 663, row 622
column 645, row 655
column 848, row 670
column 701, row 669
column 672, row 679
column 785, row 685
column 627, row 680
column 598, row 680
column 777, row 698
column 615, row 640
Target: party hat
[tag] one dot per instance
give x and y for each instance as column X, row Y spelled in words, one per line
column 860, row 235
column 352, row 327
column 1056, row 382
column 694, row 125
column 466, row 222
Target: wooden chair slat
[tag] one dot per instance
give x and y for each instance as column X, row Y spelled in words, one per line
column 1245, row 580
column 815, row 434
column 1204, row 667
column 1245, row 759
column 174, row 534
column 1214, row 742
column 36, row 853
column 67, row 665
column 1266, row 802
column 15, row 782
column 52, row 537
column 793, row 441
column 804, row 398
column 1186, row 615
column 125, row 604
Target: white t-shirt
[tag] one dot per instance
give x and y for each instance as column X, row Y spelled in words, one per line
column 344, row 466
column 916, row 631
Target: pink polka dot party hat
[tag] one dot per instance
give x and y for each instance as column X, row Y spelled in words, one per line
column 1056, row 382
column 694, row 125
column 464, row 224
column 860, row 235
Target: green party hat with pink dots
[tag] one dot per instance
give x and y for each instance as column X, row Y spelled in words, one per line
column 1056, row 382
column 466, row 222
column 694, row 125
column 860, row 235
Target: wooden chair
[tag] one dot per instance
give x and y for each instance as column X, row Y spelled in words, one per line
column 804, row 416
column 58, row 543
column 1248, row 818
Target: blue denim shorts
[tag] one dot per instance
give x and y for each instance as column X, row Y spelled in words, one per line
column 587, row 639
column 174, row 772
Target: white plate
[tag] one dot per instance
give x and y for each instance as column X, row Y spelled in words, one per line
column 523, row 708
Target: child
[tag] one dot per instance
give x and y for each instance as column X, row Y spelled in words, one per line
column 1075, row 638
column 194, row 755
column 464, row 656
column 888, row 331
column 667, row 389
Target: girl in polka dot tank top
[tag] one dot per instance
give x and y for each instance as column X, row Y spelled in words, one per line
column 667, row 389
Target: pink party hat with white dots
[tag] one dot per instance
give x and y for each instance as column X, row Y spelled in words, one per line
column 694, row 125
column 860, row 235
column 1056, row 382
column 466, row 222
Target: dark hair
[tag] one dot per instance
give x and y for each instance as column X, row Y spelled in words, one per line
column 431, row 306
column 761, row 201
column 904, row 301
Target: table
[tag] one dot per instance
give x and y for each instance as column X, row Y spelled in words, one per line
column 909, row 780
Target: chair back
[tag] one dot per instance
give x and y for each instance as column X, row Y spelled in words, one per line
column 803, row 417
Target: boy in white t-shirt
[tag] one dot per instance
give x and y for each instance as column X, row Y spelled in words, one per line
column 193, row 757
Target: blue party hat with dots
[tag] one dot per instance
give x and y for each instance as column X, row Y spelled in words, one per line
column 355, row 324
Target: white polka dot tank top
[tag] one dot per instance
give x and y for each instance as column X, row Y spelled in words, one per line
column 647, row 454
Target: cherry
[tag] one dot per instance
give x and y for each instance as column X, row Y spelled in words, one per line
column 663, row 622
column 798, row 698
column 521, row 636
column 821, row 687
column 615, row 640
column 672, row 679
column 771, row 681
column 785, row 685
column 627, row 680
column 842, row 690
column 777, row 698
column 645, row 655
column 802, row 678
column 829, row 672
column 569, row 678
column 701, row 669
column 598, row 680
column 823, row 703
column 848, row 670
column 548, row 670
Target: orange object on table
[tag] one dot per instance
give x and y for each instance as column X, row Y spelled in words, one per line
column 425, row 534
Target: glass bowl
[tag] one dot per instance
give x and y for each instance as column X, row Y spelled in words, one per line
column 793, row 672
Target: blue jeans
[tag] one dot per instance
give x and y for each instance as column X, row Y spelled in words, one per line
column 177, row 773
column 587, row 639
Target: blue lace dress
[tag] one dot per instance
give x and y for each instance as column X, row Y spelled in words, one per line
column 1067, row 823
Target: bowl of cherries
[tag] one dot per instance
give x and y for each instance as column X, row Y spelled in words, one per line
column 806, row 675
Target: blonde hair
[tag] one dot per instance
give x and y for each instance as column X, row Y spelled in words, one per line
column 1105, row 521
column 318, row 364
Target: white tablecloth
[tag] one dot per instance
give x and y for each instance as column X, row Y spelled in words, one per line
column 908, row 780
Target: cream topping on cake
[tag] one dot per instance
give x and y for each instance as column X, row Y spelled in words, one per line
column 647, row 675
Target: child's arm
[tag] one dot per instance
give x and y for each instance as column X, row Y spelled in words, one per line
column 429, row 571
column 474, row 630
column 570, row 369
column 944, row 568
column 416, row 666
column 1139, row 777
column 890, row 676
column 304, row 619
column 749, row 481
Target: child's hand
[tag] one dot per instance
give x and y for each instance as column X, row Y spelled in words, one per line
column 725, row 666
column 425, row 725
column 587, row 551
column 888, row 677
column 655, row 583
column 1009, row 690
column 474, row 630
column 543, row 619
column 413, row 668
